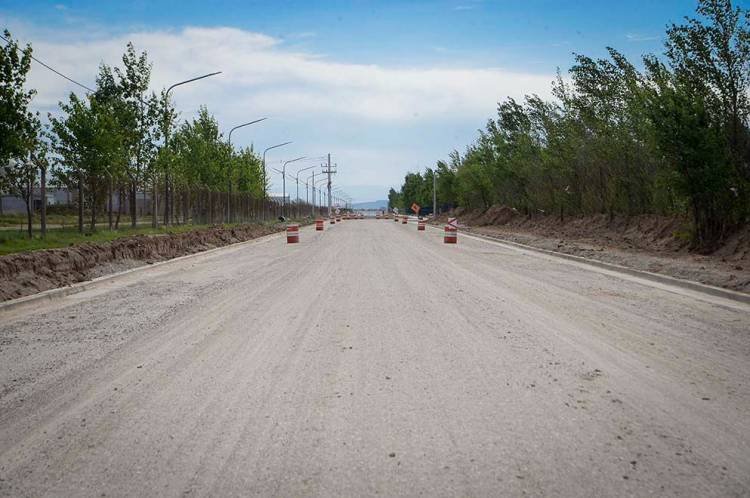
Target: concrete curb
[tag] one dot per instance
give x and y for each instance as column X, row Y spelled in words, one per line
column 647, row 275
column 60, row 292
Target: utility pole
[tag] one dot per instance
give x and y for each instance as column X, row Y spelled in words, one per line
column 329, row 171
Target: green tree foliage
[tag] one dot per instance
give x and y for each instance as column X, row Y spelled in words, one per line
column 90, row 147
column 247, row 172
column 394, row 200
column 203, row 159
column 18, row 125
column 672, row 139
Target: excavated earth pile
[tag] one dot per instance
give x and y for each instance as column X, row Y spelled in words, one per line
column 652, row 243
column 28, row 273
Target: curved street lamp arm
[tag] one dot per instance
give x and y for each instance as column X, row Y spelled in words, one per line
column 243, row 124
column 191, row 80
column 274, row 146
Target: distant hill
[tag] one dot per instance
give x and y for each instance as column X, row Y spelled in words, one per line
column 370, row 205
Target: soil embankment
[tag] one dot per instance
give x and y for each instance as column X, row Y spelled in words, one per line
column 657, row 244
column 28, row 273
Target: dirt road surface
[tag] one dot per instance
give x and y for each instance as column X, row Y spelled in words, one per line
column 372, row 359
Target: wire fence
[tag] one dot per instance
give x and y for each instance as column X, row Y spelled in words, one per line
column 208, row 207
column 182, row 207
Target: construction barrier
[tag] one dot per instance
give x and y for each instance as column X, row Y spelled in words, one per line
column 404, row 220
column 451, row 235
column 319, row 223
column 338, row 218
column 395, row 218
column 292, row 234
column 421, row 225
column 332, row 221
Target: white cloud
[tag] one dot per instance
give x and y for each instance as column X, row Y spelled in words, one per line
column 258, row 70
column 262, row 76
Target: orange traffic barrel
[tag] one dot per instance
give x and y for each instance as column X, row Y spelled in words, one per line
column 292, row 234
column 421, row 225
column 395, row 218
column 451, row 235
column 404, row 220
column 319, row 224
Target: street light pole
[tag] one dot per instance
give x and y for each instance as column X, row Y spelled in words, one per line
column 229, row 179
column 296, row 178
column 310, row 180
column 283, row 179
column 265, row 181
column 167, row 204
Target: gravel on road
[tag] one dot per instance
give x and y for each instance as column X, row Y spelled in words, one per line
column 372, row 359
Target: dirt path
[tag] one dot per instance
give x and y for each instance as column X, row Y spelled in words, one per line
column 371, row 359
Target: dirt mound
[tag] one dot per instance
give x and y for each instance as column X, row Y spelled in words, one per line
column 646, row 232
column 496, row 215
column 653, row 243
column 649, row 232
column 28, row 273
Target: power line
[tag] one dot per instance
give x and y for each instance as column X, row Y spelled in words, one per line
column 53, row 69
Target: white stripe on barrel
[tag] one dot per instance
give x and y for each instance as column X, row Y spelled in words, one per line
column 451, row 235
column 319, row 224
column 292, row 234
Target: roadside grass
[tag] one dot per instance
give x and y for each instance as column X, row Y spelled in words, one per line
column 14, row 241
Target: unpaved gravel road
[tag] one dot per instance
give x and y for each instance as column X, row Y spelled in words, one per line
column 371, row 359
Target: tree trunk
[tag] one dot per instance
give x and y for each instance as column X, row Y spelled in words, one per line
column 119, row 206
column 80, row 203
column 29, row 209
column 133, row 204
column 166, row 199
column 155, row 205
column 93, row 209
column 43, row 211
column 109, row 207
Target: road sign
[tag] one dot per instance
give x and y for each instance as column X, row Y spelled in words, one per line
column 338, row 211
column 415, row 207
column 395, row 210
column 453, row 222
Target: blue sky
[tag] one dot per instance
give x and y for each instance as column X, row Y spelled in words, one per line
column 385, row 87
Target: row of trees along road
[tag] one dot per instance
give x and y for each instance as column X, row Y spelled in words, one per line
column 670, row 137
column 111, row 140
